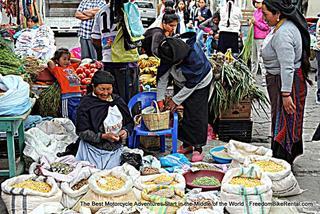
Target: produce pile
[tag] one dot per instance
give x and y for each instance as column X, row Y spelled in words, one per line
column 33, row 67
column 222, row 154
column 246, row 182
column 61, row 168
column 233, row 84
column 85, row 73
column 148, row 70
column 200, row 203
column 33, row 185
column 166, row 193
column 110, row 183
column 269, row 166
column 80, row 184
column 149, row 171
column 206, row 181
column 162, row 179
column 9, row 61
column 49, row 101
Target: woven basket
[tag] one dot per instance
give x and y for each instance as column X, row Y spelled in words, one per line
column 156, row 121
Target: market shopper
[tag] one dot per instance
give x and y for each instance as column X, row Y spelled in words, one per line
column 63, row 68
column 260, row 30
column 103, row 123
column 286, row 52
column 154, row 36
column 86, row 12
column 126, row 73
column 229, row 27
column 182, row 11
column 211, row 27
column 187, row 64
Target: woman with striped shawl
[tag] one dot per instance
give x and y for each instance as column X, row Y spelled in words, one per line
column 285, row 53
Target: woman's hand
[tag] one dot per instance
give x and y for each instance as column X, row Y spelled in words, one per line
column 288, row 105
column 123, row 134
column 110, row 137
column 171, row 105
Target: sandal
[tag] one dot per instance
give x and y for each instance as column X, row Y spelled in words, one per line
column 197, row 156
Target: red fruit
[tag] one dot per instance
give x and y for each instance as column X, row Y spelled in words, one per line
column 79, row 70
column 93, row 65
column 83, row 86
column 82, row 76
column 87, row 71
column 93, row 70
column 87, row 65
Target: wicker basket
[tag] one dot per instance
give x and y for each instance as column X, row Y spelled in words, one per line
column 156, row 121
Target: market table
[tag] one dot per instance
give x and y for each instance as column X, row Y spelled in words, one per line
column 11, row 125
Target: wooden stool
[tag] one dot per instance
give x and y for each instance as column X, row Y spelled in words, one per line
column 11, row 125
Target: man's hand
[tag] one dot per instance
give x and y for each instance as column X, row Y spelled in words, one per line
column 110, row 137
column 288, row 105
column 123, row 134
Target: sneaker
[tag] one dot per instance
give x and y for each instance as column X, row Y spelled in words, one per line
column 196, row 156
column 263, row 84
column 186, row 150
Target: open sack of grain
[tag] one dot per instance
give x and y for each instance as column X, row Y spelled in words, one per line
column 284, row 183
column 198, row 202
column 75, row 189
column 246, row 191
column 240, row 152
column 63, row 169
column 161, row 200
column 24, row 193
column 108, row 188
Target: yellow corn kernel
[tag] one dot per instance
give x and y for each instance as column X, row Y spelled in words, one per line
column 269, row 166
column 246, row 182
column 38, row 186
column 110, row 183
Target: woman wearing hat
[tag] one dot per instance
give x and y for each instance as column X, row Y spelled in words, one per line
column 187, row 64
column 260, row 31
column 285, row 54
column 103, row 122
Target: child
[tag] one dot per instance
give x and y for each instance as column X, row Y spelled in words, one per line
column 261, row 30
column 63, row 68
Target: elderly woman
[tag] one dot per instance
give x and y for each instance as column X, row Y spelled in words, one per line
column 285, row 53
column 103, row 123
column 190, row 69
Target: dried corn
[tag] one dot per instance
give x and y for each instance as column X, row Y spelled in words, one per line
column 38, row 186
column 109, row 183
column 269, row 166
column 246, row 182
column 163, row 179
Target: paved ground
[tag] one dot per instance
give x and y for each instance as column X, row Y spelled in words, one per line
column 306, row 167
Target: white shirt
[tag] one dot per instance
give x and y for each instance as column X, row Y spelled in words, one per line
column 235, row 18
column 103, row 30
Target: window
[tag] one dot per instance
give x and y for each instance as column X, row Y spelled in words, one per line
column 144, row 4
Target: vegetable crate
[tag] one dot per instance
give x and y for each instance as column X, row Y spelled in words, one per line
column 238, row 111
column 240, row 130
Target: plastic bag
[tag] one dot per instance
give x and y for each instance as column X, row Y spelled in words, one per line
column 135, row 24
column 15, row 100
column 113, row 122
column 175, row 162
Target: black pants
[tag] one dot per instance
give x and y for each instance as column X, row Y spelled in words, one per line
column 126, row 79
column 228, row 40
